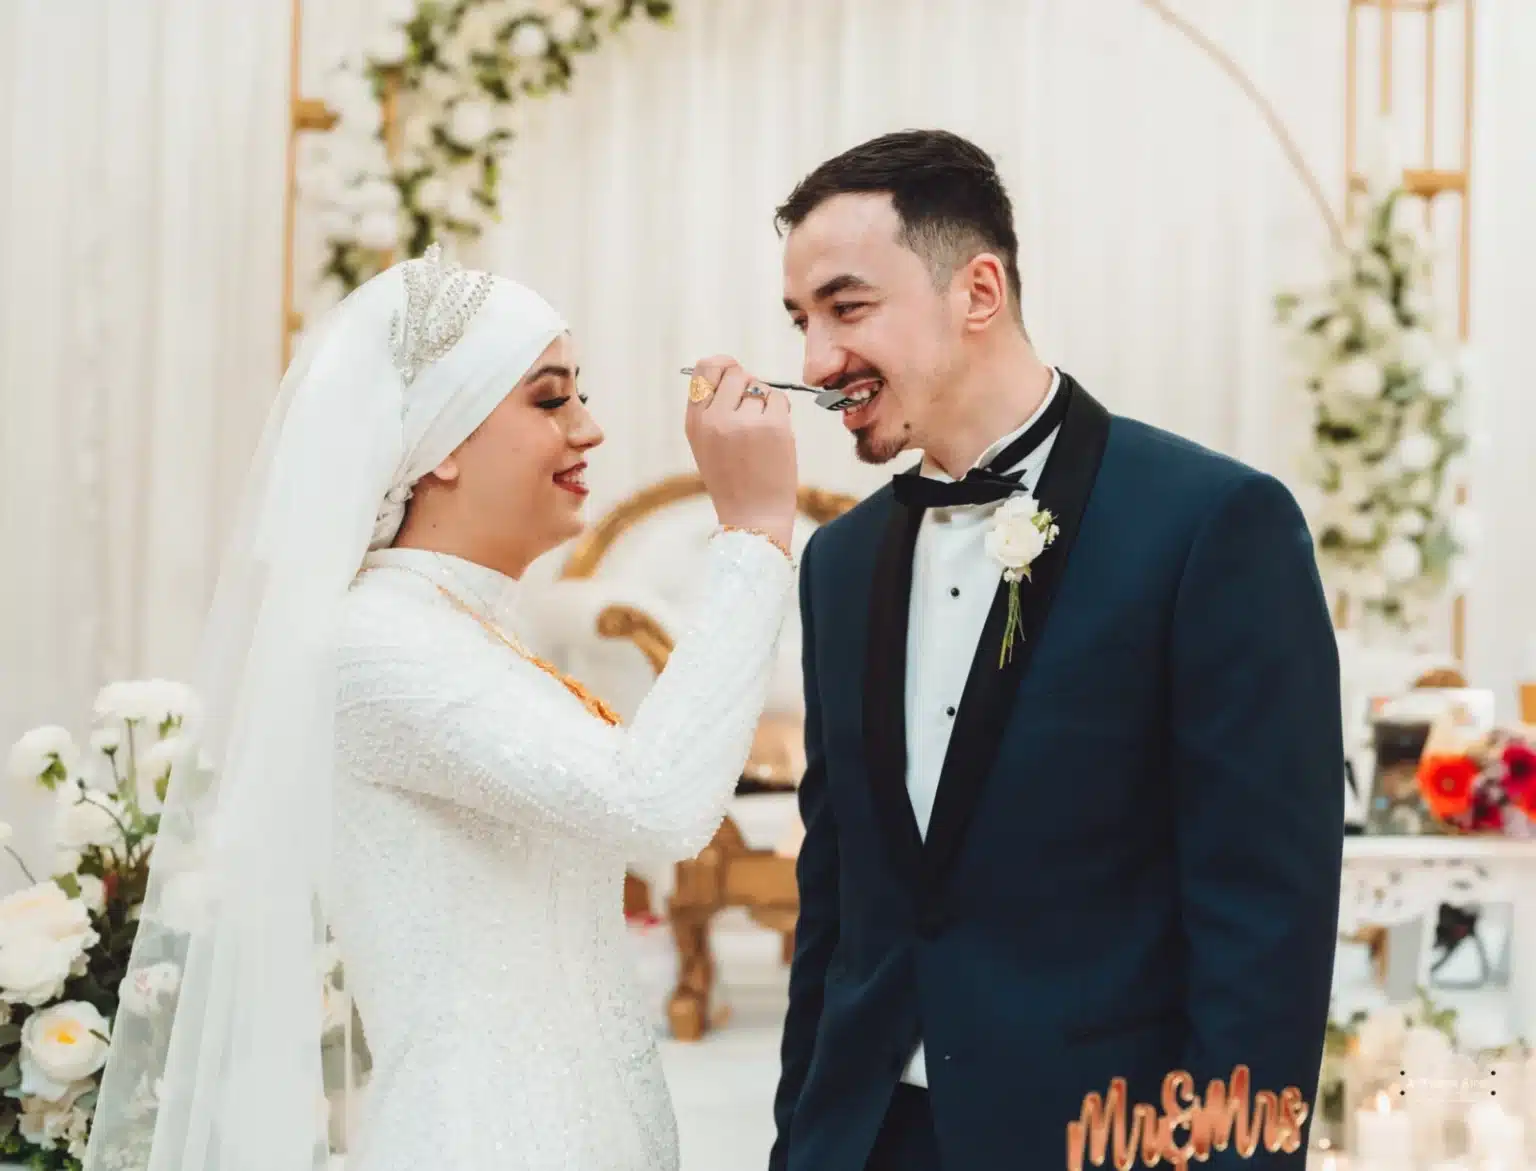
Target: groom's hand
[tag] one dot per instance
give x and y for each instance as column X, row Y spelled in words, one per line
column 744, row 445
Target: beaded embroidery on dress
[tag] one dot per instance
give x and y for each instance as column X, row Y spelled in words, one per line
column 485, row 819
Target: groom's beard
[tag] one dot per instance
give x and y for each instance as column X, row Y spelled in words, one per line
column 872, row 449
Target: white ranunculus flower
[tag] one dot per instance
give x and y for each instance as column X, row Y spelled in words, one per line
column 158, row 765
column 378, row 194
column 1416, row 451
column 1422, row 491
column 530, row 41
column 439, row 86
column 49, row 751
column 462, row 206
column 566, row 23
column 416, row 135
column 1401, row 560
column 85, row 819
column 60, row 1046
column 469, row 121
column 93, row 893
column 432, row 194
column 1409, row 523
column 1014, row 540
column 46, row 1124
column 1438, row 379
column 147, row 701
column 1378, row 315
column 390, row 47
column 1359, row 377
column 106, row 741
column 1359, row 527
column 378, row 230
column 1416, row 348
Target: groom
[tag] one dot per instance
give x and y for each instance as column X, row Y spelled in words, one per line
column 1093, row 835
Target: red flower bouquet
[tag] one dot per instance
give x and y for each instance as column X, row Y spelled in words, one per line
column 1487, row 787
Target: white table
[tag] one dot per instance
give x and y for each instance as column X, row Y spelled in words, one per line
column 1398, row 882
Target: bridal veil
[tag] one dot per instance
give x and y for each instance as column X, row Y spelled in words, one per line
column 223, row 1070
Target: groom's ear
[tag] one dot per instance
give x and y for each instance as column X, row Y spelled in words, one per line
column 983, row 282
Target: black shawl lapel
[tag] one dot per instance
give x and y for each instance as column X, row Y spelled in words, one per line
column 885, row 686
column 987, row 701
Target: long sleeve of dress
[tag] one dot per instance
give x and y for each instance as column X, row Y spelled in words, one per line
column 428, row 702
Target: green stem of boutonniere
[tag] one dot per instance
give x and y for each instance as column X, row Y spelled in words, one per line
column 1015, row 617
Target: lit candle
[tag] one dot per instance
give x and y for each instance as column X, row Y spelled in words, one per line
column 1496, row 1136
column 1384, row 1136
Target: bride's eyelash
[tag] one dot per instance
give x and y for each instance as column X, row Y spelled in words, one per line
column 554, row 404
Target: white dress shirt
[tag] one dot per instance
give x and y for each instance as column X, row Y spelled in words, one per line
column 953, row 583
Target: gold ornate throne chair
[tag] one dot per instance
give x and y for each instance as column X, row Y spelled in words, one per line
column 608, row 619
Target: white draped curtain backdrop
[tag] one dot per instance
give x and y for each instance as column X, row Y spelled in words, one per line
column 141, row 240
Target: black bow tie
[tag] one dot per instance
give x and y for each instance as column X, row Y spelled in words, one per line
column 989, row 484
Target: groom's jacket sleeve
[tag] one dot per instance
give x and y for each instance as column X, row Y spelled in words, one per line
column 1258, row 778
column 816, row 871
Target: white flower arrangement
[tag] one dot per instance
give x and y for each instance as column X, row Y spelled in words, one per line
column 458, row 71
column 1388, row 394
column 65, row 942
column 1020, row 531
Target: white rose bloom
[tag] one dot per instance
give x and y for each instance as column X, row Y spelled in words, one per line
column 1461, row 575
column 469, row 121
column 530, row 41
column 1379, row 317
column 141, row 991
column 1422, row 491
column 1466, row 527
column 147, row 701
column 416, row 135
column 1416, row 452
column 1409, row 523
column 566, row 23
column 1417, row 305
column 1416, row 348
column 390, row 47
column 481, row 26
column 1013, row 541
column 34, row 970
column 1401, row 560
column 439, row 86
column 432, row 194
column 44, row 911
column 1381, row 1035
column 39, row 751
column 1358, row 378
column 463, row 208
column 1359, row 527
column 378, row 194
column 60, row 1046
column 93, row 893
column 1339, row 329
column 379, row 230
column 85, row 819
column 1438, row 379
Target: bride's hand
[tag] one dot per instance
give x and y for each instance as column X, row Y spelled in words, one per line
column 745, row 448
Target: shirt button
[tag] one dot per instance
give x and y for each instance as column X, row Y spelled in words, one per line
column 949, row 711
column 954, row 591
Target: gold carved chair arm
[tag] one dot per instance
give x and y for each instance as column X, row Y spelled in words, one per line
column 635, row 625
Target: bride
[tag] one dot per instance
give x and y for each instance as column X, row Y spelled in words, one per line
column 398, row 777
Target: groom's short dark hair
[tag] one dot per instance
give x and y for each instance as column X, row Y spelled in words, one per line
column 946, row 191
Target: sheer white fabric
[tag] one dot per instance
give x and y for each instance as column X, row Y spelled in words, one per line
column 485, row 820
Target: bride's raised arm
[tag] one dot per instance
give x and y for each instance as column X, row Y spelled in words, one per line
column 432, row 704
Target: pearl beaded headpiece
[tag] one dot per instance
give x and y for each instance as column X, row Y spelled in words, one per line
column 440, row 299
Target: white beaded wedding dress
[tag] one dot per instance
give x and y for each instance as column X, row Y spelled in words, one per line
column 485, row 819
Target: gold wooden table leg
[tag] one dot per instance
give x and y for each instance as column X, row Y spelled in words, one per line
column 688, row 1010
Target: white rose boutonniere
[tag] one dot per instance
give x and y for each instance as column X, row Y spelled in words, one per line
column 1021, row 530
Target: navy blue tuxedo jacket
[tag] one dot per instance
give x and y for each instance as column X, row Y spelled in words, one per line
column 1133, row 861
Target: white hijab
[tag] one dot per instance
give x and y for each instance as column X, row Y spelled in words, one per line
column 224, row 1074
